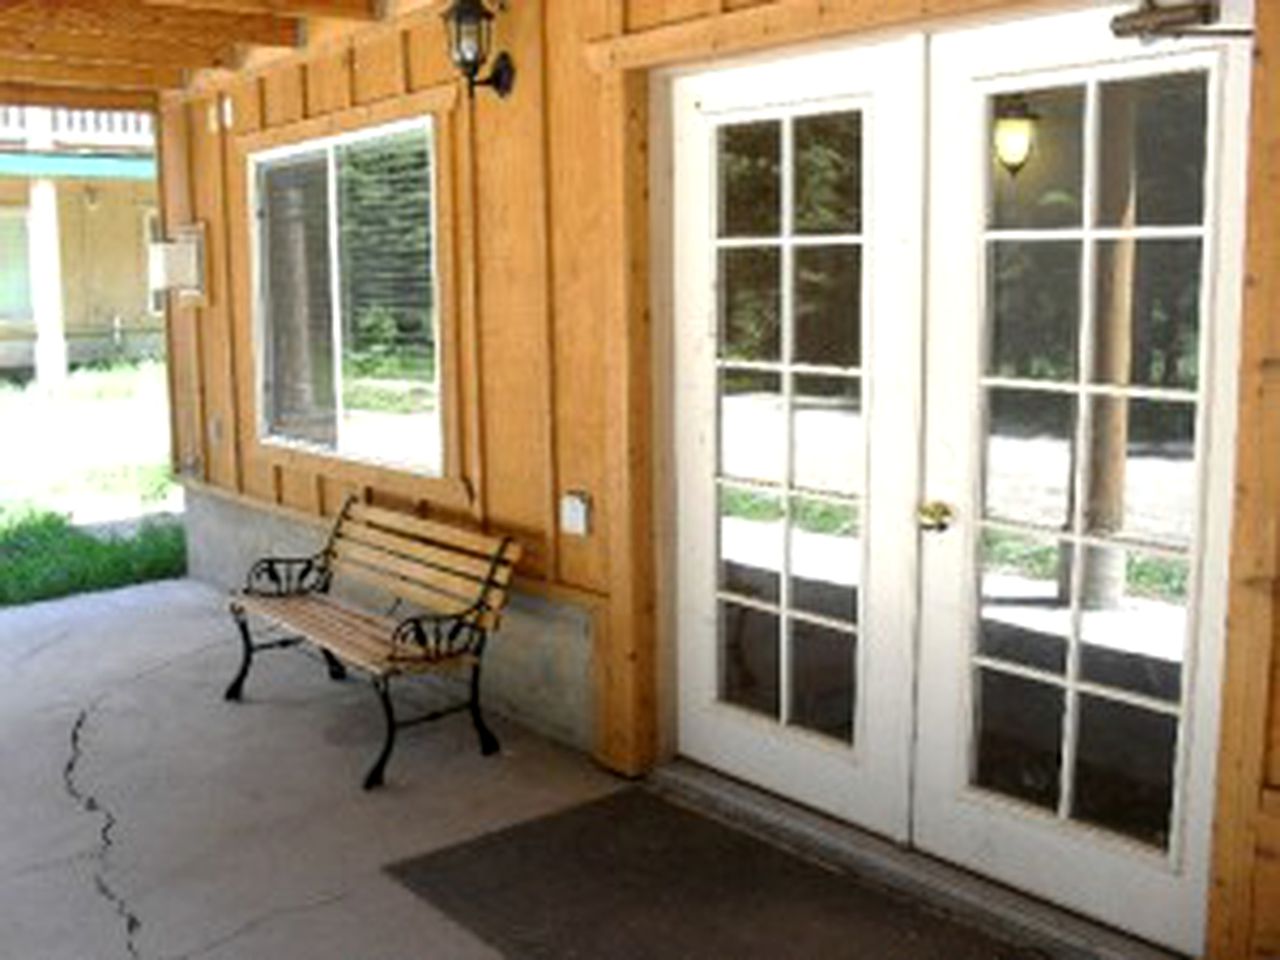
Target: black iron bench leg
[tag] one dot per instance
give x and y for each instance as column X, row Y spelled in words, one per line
column 375, row 776
column 336, row 670
column 488, row 742
column 236, row 690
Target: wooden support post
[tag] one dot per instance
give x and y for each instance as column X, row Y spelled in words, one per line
column 1104, row 571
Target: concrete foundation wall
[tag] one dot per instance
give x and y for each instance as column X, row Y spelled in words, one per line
column 537, row 670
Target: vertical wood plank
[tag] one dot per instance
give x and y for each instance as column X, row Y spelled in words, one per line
column 378, row 67
column 646, row 14
column 628, row 736
column 512, row 263
column 427, row 53
column 1248, row 699
column 298, row 490
column 282, row 96
column 579, row 231
column 246, row 106
column 182, row 332
column 218, row 373
column 257, row 476
column 328, row 82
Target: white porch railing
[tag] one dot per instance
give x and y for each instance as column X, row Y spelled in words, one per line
column 13, row 124
column 105, row 128
column 77, row 128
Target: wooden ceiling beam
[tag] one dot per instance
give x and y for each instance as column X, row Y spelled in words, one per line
column 75, row 98
column 345, row 9
column 99, row 76
column 201, row 28
column 111, row 48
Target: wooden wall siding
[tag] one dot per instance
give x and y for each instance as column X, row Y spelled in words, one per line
column 214, row 318
column 378, row 68
column 328, row 83
column 184, row 355
column 283, row 100
column 579, row 217
column 1245, row 914
column 511, row 260
column 645, row 14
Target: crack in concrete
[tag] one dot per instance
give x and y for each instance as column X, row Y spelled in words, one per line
column 256, row 922
column 89, row 803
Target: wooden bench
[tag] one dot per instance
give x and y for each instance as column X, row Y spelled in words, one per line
column 460, row 576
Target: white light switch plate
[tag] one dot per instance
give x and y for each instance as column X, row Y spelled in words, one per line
column 575, row 513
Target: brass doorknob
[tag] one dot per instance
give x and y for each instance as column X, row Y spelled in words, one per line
column 935, row 516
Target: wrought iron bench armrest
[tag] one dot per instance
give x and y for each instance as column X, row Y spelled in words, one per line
column 289, row 576
column 434, row 637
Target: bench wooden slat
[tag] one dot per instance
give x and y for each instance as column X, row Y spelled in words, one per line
column 480, row 544
column 352, row 635
column 449, row 560
column 429, row 599
column 463, row 589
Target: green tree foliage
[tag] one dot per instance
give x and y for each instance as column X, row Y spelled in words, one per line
column 385, row 220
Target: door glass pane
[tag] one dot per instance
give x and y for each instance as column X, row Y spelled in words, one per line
column 828, row 175
column 826, row 558
column 751, row 304
column 1142, row 470
column 828, row 434
column 1046, row 190
column 828, row 321
column 1086, row 549
column 1134, row 629
column 823, row 666
column 1147, row 331
column 1153, row 150
column 1019, row 737
column 1029, row 460
column 791, row 537
column 1035, row 310
column 750, row 163
column 1124, row 769
column 753, row 428
column 1026, row 600
column 749, row 674
column 752, row 540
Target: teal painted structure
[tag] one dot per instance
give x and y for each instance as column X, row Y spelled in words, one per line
column 70, row 166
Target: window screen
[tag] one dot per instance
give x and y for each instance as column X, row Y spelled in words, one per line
column 348, row 297
column 15, row 281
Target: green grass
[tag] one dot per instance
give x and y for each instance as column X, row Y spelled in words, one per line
column 387, row 398
column 807, row 514
column 1152, row 577
column 42, row 557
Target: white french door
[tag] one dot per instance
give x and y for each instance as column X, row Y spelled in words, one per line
column 796, row 265
column 995, row 271
column 1083, row 319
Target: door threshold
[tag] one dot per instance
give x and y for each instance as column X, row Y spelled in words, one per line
column 991, row 906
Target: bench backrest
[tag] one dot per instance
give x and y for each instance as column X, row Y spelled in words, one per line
column 444, row 568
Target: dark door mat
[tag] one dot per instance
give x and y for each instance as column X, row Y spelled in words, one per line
column 632, row 876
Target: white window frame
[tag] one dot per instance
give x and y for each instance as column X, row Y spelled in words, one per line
column 329, row 145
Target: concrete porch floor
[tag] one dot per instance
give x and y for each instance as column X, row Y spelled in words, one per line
column 141, row 816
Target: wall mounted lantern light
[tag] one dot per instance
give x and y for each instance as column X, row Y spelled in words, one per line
column 470, row 26
column 1014, row 132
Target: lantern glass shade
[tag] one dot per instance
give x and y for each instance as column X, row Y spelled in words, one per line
column 470, row 29
column 1014, row 133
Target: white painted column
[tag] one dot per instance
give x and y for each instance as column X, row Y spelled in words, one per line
column 44, row 245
